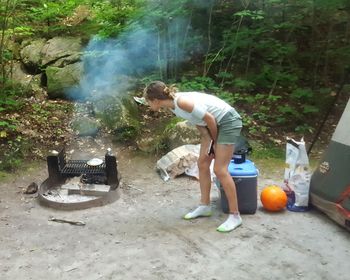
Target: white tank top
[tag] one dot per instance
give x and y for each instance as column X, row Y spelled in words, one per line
column 203, row 103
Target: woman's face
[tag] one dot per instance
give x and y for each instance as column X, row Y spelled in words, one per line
column 154, row 104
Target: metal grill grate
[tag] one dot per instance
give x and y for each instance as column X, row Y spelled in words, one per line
column 60, row 169
column 78, row 167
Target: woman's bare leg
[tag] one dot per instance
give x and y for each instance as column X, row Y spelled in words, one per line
column 223, row 155
column 204, row 162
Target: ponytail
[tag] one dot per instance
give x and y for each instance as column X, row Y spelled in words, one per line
column 170, row 91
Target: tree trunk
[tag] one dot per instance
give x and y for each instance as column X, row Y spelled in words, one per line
column 248, row 61
column 205, row 71
column 234, row 50
column 159, row 55
column 347, row 43
column 4, row 26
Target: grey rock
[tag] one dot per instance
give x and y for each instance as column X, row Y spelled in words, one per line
column 85, row 126
column 31, row 54
column 30, row 83
column 60, row 47
column 61, row 81
column 183, row 133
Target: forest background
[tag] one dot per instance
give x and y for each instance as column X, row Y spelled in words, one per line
column 284, row 64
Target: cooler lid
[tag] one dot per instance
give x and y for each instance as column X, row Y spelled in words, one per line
column 244, row 169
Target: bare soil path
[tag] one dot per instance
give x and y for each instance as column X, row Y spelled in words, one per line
column 142, row 235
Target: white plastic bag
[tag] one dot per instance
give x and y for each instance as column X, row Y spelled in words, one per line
column 297, row 174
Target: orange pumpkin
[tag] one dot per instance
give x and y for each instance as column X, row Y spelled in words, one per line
column 273, row 198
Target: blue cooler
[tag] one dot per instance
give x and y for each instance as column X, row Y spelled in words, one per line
column 245, row 175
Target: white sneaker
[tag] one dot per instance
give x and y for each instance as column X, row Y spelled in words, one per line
column 200, row 211
column 232, row 222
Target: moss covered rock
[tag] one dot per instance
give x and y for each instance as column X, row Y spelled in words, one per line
column 61, row 81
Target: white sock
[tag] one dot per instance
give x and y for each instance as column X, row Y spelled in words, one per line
column 233, row 221
column 200, row 211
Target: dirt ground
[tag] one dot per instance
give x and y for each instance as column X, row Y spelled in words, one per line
column 142, row 235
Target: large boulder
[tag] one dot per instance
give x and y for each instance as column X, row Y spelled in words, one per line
column 170, row 137
column 31, row 84
column 31, row 55
column 61, row 81
column 58, row 51
column 120, row 115
column 183, row 133
column 59, row 59
column 58, row 48
column 85, row 126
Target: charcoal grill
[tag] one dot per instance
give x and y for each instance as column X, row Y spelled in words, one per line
column 98, row 185
column 78, row 167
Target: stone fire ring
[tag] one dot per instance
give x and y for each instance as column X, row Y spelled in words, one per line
column 59, row 198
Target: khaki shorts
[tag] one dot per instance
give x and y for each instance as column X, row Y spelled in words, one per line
column 229, row 129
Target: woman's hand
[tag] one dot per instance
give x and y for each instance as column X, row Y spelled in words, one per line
column 211, row 150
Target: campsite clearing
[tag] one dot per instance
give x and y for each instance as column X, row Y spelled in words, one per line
column 142, row 235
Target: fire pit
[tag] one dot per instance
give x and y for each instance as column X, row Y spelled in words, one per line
column 79, row 184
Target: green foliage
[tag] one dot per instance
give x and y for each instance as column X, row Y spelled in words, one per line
column 171, row 124
column 113, row 16
column 198, row 83
column 22, row 31
column 254, row 15
column 273, row 98
column 229, row 97
column 271, row 73
column 12, row 157
column 307, row 109
column 9, row 98
column 304, row 128
column 288, row 111
column 9, row 102
column 49, row 18
column 269, row 158
column 50, row 14
column 263, row 150
column 46, row 11
column 302, row 94
column 225, row 75
column 243, row 85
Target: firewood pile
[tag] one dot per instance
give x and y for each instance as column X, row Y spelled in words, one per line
column 177, row 161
